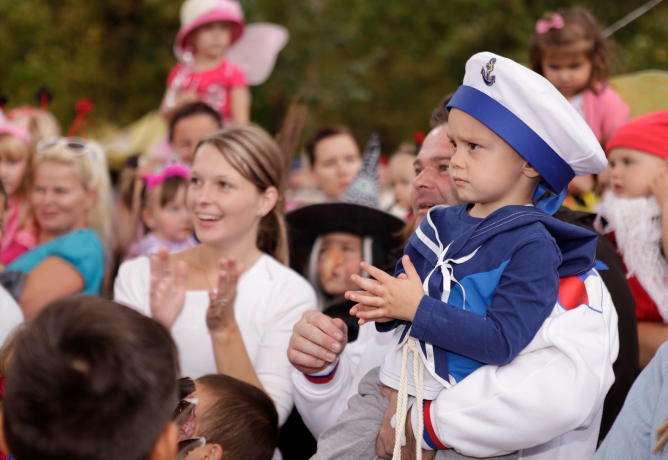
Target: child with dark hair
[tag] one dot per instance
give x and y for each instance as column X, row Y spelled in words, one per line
column 570, row 51
column 238, row 420
column 90, row 379
column 164, row 213
column 189, row 125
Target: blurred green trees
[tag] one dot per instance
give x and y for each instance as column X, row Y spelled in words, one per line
column 376, row 65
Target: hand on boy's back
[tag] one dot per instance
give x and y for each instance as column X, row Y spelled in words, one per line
column 386, row 298
column 659, row 188
column 317, row 341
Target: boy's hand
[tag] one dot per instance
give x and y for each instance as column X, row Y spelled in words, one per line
column 659, row 188
column 386, row 297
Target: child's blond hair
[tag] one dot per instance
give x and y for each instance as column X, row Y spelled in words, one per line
column 15, row 149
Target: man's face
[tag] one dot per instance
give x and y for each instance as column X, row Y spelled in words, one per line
column 432, row 185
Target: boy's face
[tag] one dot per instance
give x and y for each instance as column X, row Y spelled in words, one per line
column 189, row 131
column 209, row 450
column 340, row 257
column 632, row 172
column 485, row 170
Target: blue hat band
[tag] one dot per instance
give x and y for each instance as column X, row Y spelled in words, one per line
column 508, row 126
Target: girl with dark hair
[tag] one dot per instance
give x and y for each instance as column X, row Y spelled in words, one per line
column 569, row 49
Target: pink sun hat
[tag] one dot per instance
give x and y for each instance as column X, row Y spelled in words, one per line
column 196, row 13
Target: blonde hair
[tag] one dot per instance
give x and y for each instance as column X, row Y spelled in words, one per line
column 91, row 170
column 17, row 149
column 43, row 125
column 254, row 154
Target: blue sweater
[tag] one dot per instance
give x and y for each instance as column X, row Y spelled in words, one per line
column 510, row 283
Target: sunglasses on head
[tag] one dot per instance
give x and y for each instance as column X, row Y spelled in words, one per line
column 74, row 145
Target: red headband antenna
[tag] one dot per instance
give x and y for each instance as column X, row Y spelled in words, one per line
column 44, row 98
column 83, row 108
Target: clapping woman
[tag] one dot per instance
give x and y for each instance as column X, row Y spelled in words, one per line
column 230, row 302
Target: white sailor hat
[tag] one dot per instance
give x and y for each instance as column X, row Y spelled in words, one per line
column 532, row 116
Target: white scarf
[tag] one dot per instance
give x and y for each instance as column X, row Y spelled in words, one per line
column 637, row 226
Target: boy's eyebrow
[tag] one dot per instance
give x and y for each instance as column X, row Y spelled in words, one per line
column 472, row 137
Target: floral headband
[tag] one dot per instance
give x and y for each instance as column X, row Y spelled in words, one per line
column 172, row 170
column 543, row 26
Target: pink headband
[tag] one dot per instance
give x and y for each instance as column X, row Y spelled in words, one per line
column 555, row 22
column 16, row 131
column 173, row 169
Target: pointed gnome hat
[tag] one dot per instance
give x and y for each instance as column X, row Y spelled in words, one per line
column 365, row 188
column 357, row 213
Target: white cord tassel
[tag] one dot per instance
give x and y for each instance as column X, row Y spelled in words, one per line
column 411, row 346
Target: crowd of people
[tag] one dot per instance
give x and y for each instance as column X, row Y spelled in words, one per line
column 493, row 290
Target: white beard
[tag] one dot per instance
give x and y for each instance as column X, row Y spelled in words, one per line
column 637, row 226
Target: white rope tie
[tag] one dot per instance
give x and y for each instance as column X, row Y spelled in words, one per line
column 411, row 346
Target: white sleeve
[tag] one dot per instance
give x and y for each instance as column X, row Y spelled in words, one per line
column 271, row 365
column 556, row 385
column 132, row 284
column 11, row 315
column 321, row 404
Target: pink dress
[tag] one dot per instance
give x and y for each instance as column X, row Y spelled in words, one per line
column 16, row 240
column 212, row 86
column 604, row 111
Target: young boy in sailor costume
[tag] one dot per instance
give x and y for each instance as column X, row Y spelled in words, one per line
column 477, row 281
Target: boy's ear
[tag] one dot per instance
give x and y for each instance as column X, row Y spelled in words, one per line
column 3, row 442
column 215, row 452
column 166, row 446
column 529, row 171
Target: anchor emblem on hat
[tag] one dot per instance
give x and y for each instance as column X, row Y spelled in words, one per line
column 486, row 71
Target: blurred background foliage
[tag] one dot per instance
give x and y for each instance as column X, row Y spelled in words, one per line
column 375, row 65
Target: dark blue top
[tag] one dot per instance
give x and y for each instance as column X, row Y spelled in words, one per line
column 510, row 284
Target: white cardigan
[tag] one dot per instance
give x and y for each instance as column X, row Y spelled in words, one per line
column 11, row 315
column 271, row 298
